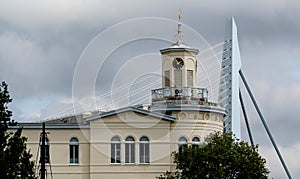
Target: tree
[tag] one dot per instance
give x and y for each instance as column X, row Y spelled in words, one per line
column 14, row 158
column 223, row 156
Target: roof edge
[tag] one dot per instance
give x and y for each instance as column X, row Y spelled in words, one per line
column 133, row 109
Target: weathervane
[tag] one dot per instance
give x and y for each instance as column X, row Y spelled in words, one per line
column 179, row 34
column 179, row 15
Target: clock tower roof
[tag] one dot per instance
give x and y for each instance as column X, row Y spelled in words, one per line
column 179, row 48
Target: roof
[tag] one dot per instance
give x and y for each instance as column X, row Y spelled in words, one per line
column 38, row 125
column 132, row 109
column 179, row 47
column 80, row 121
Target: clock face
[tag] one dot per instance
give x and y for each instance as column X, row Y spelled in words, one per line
column 178, row 63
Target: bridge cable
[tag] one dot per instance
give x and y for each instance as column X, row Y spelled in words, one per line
column 264, row 124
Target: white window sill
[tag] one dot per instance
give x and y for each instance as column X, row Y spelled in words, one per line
column 115, row 163
column 144, row 163
column 129, row 163
column 74, row 164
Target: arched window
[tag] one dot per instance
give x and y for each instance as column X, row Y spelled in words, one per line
column 47, row 151
column 129, row 150
column 115, row 150
column 195, row 142
column 144, row 150
column 182, row 144
column 74, row 150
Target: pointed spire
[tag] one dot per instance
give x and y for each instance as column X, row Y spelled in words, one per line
column 179, row 34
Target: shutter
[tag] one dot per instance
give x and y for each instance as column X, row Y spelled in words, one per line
column 178, row 78
column 167, row 78
column 190, row 78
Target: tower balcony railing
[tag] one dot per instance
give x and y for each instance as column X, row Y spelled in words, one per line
column 179, row 93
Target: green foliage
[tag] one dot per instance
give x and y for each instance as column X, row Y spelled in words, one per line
column 222, row 157
column 14, row 158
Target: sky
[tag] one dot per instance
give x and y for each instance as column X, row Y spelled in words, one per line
column 42, row 45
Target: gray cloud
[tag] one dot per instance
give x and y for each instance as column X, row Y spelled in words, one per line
column 41, row 42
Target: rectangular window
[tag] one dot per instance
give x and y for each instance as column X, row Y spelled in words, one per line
column 47, row 151
column 144, row 152
column 74, row 154
column 167, row 78
column 182, row 147
column 47, row 154
column 129, row 153
column 190, row 78
column 178, row 78
column 115, row 153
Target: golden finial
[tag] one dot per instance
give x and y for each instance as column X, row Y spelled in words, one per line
column 179, row 14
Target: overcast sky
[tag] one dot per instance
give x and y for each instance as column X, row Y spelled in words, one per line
column 41, row 43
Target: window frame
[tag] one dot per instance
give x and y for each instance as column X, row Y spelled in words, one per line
column 115, row 150
column 178, row 78
column 129, row 150
column 190, row 78
column 144, row 147
column 167, row 78
column 196, row 142
column 182, row 143
column 74, row 151
column 47, row 150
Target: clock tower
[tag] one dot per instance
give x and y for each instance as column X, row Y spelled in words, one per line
column 179, row 63
column 181, row 98
column 180, row 95
column 179, row 66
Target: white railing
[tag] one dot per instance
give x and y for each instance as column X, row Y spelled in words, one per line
column 179, row 93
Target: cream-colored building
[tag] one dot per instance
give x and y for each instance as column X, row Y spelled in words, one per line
column 137, row 141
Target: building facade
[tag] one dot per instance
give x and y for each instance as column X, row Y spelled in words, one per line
column 135, row 141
